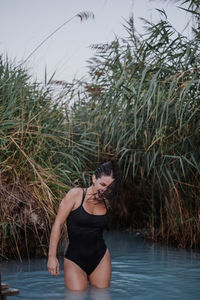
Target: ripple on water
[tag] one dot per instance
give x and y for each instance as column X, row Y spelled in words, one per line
column 141, row 271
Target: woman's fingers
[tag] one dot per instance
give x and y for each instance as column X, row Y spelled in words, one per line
column 57, row 269
column 53, row 266
column 54, row 270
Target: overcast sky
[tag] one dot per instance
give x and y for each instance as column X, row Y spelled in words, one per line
column 25, row 23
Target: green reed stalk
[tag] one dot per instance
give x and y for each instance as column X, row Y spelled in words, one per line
column 39, row 161
column 143, row 103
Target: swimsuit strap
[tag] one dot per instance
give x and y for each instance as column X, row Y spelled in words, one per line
column 105, row 205
column 83, row 197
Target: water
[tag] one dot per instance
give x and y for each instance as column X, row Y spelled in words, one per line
column 141, row 271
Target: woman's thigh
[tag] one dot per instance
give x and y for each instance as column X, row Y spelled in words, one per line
column 75, row 278
column 100, row 277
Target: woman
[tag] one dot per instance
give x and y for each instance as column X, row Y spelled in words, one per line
column 87, row 258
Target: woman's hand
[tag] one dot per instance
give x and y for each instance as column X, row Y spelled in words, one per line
column 53, row 266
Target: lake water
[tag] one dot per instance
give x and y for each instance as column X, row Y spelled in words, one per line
column 141, row 271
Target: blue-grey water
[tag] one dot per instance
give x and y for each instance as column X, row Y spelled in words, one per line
column 141, row 271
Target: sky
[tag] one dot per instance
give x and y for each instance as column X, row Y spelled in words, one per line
column 24, row 24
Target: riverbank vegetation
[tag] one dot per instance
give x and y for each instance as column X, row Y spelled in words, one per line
column 139, row 108
column 39, row 161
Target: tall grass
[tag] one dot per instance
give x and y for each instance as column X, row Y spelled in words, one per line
column 38, row 161
column 143, row 102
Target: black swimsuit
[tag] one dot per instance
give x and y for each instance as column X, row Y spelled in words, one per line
column 86, row 244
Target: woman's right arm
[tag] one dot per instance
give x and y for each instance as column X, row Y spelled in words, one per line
column 64, row 209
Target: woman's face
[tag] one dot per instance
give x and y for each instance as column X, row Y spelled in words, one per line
column 101, row 184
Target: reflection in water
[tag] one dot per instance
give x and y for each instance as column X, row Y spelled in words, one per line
column 99, row 294
column 141, row 271
column 76, row 295
column 90, row 294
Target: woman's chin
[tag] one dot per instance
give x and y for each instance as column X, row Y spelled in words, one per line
column 100, row 196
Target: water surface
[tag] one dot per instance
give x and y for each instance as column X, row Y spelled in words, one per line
column 141, row 271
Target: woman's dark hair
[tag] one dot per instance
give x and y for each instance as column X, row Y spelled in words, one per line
column 110, row 169
column 106, row 169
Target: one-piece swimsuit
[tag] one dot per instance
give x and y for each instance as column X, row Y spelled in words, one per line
column 85, row 232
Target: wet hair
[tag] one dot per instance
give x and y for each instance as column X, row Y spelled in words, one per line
column 106, row 169
column 110, row 169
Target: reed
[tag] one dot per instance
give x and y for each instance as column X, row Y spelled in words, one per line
column 142, row 101
column 39, row 161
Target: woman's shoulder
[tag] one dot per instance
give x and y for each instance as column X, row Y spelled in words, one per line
column 76, row 191
column 73, row 194
column 72, row 197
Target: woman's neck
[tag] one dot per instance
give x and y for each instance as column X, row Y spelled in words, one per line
column 90, row 196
